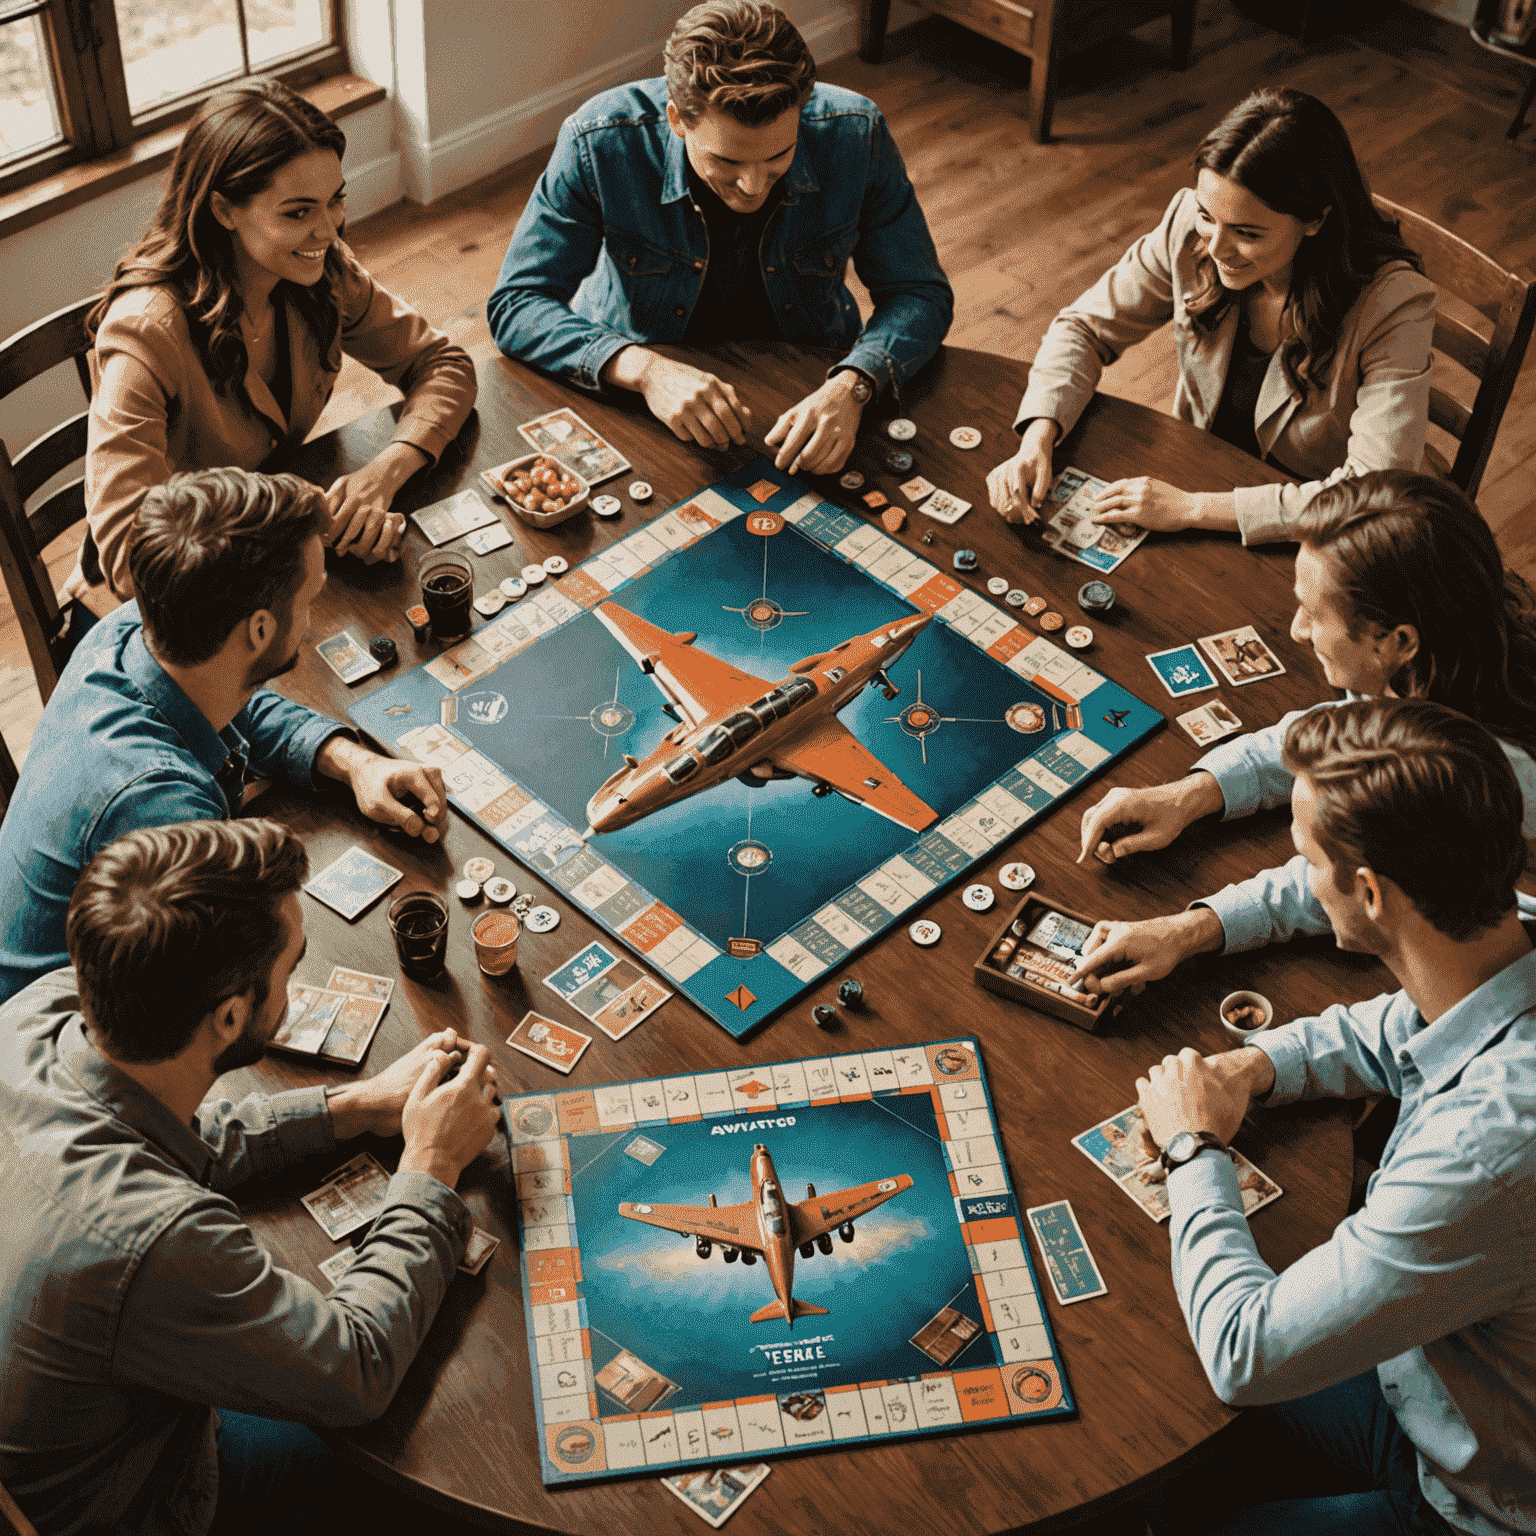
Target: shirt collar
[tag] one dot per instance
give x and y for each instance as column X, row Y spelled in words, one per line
column 674, row 185
column 1442, row 1050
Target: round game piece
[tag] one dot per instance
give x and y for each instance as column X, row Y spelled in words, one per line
column 825, row 1015
column 1079, row 637
column 898, row 461
column 638, row 491
column 997, row 585
column 1095, row 597
column 479, row 870
column 850, row 993
column 851, row 481
column 383, row 650
column 965, row 437
column 965, row 560
column 925, row 932
column 928, row 537
column 534, row 574
column 1050, row 622
column 608, row 506
column 499, row 892
column 1016, row 877
column 541, row 920
column 901, row 430
column 556, row 565
column 491, row 602
column 979, row 897
column 467, row 891
column 513, row 588
column 1017, row 598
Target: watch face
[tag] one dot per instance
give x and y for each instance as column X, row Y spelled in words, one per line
column 1182, row 1147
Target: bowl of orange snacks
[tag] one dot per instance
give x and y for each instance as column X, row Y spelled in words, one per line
column 542, row 490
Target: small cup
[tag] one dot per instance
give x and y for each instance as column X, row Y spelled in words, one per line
column 1245, row 1000
column 447, row 591
column 496, row 934
column 419, row 922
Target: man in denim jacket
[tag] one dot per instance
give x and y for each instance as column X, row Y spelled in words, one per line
column 722, row 202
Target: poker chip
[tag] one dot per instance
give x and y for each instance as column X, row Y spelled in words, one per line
column 499, row 892
column 1034, row 605
column 851, row 481
column 979, row 897
column 1017, row 877
column 479, row 870
column 638, row 491
column 1096, row 596
column 384, row 650
column 1017, row 598
column 901, row 430
column 965, row 437
column 925, row 932
column 1079, row 637
column 513, row 588
column 534, row 574
column 1051, row 622
column 556, row 565
column 965, row 560
column 491, row 602
column 997, row 585
column 609, row 506
column 899, row 461
column 541, row 920
column 467, row 891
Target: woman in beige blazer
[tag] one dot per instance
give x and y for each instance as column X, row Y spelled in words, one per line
column 1301, row 319
column 220, row 336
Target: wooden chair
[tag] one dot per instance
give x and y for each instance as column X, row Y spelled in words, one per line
column 12, row 1521
column 25, row 534
column 1504, row 27
column 1508, row 302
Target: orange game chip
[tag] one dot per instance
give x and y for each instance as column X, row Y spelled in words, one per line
column 893, row 519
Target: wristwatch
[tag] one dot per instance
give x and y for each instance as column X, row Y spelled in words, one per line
column 1188, row 1145
column 863, row 386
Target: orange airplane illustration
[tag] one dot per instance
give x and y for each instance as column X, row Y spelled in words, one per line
column 766, row 1225
column 732, row 722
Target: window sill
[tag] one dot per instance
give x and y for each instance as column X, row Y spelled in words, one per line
column 336, row 96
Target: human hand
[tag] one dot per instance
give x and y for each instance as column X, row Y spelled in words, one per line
column 1148, row 950
column 818, row 434
column 377, row 782
column 358, row 505
column 448, row 1124
column 697, row 406
column 1145, row 503
column 372, row 1106
column 1157, row 814
column 1185, row 1093
column 1017, row 487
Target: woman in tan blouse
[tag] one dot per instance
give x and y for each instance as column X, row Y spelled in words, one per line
column 220, row 337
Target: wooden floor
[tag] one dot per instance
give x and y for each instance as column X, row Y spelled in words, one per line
column 1022, row 228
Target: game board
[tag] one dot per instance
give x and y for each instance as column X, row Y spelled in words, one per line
column 743, row 896
column 641, row 1353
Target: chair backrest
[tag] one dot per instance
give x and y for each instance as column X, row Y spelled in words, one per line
column 12, row 1521
column 1506, row 300
column 24, row 535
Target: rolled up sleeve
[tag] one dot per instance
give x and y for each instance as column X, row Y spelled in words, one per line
column 285, row 737
column 1268, row 908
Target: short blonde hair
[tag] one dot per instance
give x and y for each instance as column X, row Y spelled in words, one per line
column 742, row 57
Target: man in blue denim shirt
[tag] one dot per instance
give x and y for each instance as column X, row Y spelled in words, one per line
column 723, row 202
column 1394, row 1367
column 160, row 714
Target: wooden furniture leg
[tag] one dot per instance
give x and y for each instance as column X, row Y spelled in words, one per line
column 873, row 16
column 1043, row 67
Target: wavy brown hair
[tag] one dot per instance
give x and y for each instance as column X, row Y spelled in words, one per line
column 1405, row 548
column 1292, row 153
column 241, row 137
column 743, row 57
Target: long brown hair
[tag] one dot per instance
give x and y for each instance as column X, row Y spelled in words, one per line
column 1293, row 154
column 1405, row 548
column 241, row 137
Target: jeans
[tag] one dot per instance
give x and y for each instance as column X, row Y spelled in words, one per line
column 1335, row 1463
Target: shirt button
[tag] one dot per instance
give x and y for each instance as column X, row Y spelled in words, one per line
column 698, row 266
column 770, row 269
column 679, row 310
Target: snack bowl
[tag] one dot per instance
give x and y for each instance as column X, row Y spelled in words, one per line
column 502, row 480
column 1256, row 1000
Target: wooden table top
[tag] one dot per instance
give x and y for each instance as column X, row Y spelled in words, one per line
column 461, row 1430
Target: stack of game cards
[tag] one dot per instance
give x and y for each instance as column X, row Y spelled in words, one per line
column 336, row 1022
column 1070, row 530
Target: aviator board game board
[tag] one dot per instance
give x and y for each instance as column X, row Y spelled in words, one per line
column 642, row 1353
column 742, row 896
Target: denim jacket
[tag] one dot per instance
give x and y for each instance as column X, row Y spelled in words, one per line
column 611, row 250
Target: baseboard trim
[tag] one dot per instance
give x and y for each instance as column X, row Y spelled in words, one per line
column 373, row 185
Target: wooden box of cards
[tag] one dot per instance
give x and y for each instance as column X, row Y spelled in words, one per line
column 1031, row 956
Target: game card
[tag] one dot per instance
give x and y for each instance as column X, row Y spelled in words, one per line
column 350, row 1198
column 644, row 1150
column 1181, row 671
column 338, row 1264
column 352, row 1030
column 1209, row 723
column 630, row 1381
column 311, row 1012
column 484, row 540
column 916, row 488
column 1240, row 656
column 614, row 994
column 1070, row 530
column 360, row 983
column 716, row 1494
column 944, row 508
column 351, row 884
column 556, row 1045
column 567, row 439
column 452, row 518
column 346, row 658
column 478, row 1254
column 945, row 1335
column 1068, row 1264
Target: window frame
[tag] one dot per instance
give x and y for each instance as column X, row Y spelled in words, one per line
column 84, row 53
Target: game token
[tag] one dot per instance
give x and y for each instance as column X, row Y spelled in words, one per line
column 874, row 500
column 893, row 519
column 499, row 891
column 556, row 565
column 1034, row 605
column 965, row 560
column 1016, row 877
column 467, row 891
column 1051, row 621
column 420, row 622
column 491, row 602
column 1017, row 598
column 901, row 430
column 850, row 993
column 928, row 537
column 639, row 491
column 965, row 437
column 1079, row 637
column 852, row 480
column 479, row 870
column 925, row 932
column 383, row 650
column 513, row 588
column 534, row 574
column 979, row 897
column 825, row 1015
column 608, row 506
column 997, row 585
column 898, row 461
column 541, row 920
column 1096, row 597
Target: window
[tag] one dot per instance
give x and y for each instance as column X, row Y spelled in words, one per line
column 82, row 78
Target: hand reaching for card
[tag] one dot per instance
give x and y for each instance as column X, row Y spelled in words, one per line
column 1144, row 951
column 1186, row 1093
column 1157, row 816
column 447, row 1124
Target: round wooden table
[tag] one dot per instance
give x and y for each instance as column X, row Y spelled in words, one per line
column 461, row 1433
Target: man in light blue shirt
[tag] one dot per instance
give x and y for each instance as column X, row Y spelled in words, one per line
column 1398, row 1360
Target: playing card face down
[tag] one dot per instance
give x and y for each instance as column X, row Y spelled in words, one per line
column 351, row 884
